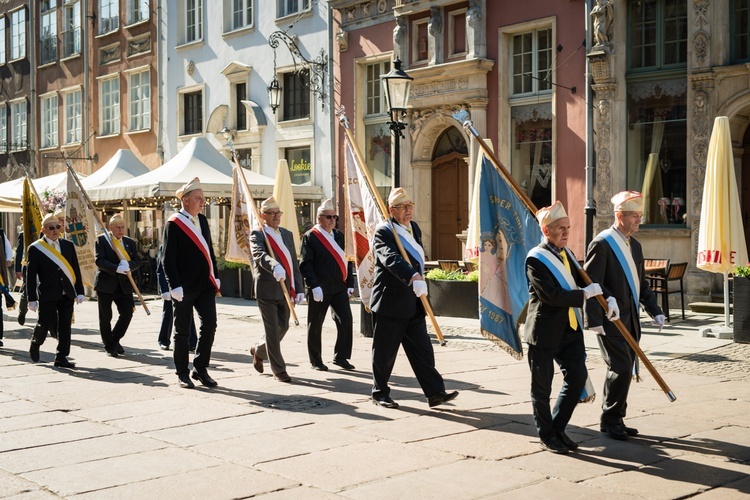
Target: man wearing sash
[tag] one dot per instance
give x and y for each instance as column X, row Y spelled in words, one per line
column 329, row 280
column 53, row 285
column 615, row 259
column 398, row 313
column 190, row 267
column 114, row 257
column 554, row 328
column 271, row 266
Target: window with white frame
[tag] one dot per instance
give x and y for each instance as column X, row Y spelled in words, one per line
column 73, row 117
column 289, row 7
column 193, row 20
column 71, row 31
column 374, row 93
column 137, row 11
column 419, row 44
column 296, row 95
column 192, row 113
column 18, row 121
column 109, row 16
column 18, row 34
column 3, row 128
column 2, row 40
column 109, row 94
column 140, row 100
column 48, row 37
column 457, row 42
column 242, row 13
column 531, row 62
column 49, row 121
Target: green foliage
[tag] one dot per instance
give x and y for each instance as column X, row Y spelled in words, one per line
column 440, row 274
column 228, row 264
column 743, row 271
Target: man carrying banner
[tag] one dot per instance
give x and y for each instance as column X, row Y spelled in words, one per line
column 398, row 313
column 271, row 302
column 53, row 284
column 330, row 282
column 114, row 257
column 615, row 259
column 554, row 328
column 190, row 266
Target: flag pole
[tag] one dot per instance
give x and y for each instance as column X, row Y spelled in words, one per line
column 28, row 175
column 128, row 273
column 384, row 211
column 260, row 228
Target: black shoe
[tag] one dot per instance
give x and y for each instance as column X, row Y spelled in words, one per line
column 320, row 367
column 185, row 382
column 630, row 431
column 163, row 347
column 385, row 402
column 34, row 352
column 441, row 397
column 21, row 318
column 554, row 445
column 1, row 343
column 565, row 440
column 283, row 377
column 64, row 363
column 257, row 361
column 119, row 348
column 346, row 365
column 204, row 377
column 615, row 431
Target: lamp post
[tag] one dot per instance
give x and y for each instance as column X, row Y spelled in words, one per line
column 274, row 93
column 396, row 85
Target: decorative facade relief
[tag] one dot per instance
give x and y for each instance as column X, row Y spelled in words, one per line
column 700, row 47
column 434, row 121
column 602, row 16
column 342, row 39
column 701, row 135
column 475, row 30
column 702, row 33
column 603, row 151
column 440, row 87
column 435, row 35
column 400, row 39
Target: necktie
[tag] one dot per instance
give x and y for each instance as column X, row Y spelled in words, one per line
column 571, row 312
column 195, row 220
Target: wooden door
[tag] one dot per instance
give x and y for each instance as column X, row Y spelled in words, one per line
column 450, row 205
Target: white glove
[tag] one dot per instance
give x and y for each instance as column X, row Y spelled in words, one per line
column 218, row 283
column 350, row 291
column 279, row 273
column 419, row 287
column 33, row 305
column 122, row 269
column 317, row 294
column 80, row 299
column 300, row 298
column 599, row 330
column 166, row 296
column 613, row 312
column 659, row 319
column 592, row 290
column 177, row 294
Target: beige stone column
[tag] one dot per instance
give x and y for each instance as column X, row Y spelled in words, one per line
column 421, row 193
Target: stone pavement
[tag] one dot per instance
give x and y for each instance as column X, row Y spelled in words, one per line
column 122, row 428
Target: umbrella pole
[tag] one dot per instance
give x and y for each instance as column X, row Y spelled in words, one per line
column 726, row 299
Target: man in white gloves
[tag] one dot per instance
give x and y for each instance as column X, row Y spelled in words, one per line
column 190, row 267
column 115, row 256
column 53, row 285
column 398, row 313
column 274, row 260
column 329, row 280
column 615, row 259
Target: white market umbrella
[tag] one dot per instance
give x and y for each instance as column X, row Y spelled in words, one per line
column 721, row 237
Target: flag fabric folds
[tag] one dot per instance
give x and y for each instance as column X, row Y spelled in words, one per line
column 242, row 222
column 80, row 229
column 32, row 217
column 284, row 196
column 508, row 230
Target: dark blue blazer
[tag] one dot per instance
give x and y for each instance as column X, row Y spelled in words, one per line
column 320, row 268
column 45, row 281
column 107, row 280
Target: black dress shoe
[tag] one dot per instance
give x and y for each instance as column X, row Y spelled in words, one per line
column 441, row 397
column 185, row 382
column 346, row 365
column 120, row 349
column 204, row 377
column 21, row 318
column 566, row 441
column 385, row 402
column 554, row 445
column 320, row 367
column 631, row 431
column 615, row 431
column 112, row 352
column 64, row 363
column 34, row 352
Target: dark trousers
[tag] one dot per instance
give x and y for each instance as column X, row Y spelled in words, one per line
column 205, row 305
column 275, row 315
column 125, row 305
column 165, row 332
column 55, row 315
column 342, row 317
column 619, row 358
column 571, row 356
column 388, row 335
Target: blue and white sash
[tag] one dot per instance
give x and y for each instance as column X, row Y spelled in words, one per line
column 559, row 271
column 410, row 244
column 625, row 257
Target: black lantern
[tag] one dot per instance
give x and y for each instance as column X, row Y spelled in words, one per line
column 396, row 86
column 274, row 94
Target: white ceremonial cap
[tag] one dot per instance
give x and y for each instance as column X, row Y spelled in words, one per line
column 60, row 212
column 628, row 201
column 186, row 188
column 268, row 204
column 398, row 196
column 116, row 219
column 50, row 218
column 548, row 215
column 326, row 206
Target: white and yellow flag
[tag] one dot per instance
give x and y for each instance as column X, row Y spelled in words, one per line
column 284, row 196
column 81, row 230
column 242, row 222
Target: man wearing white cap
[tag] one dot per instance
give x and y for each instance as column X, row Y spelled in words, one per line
column 554, row 328
column 615, row 259
column 270, row 268
column 398, row 313
column 190, row 266
column 114, row 257
column 53, row 285
column 329, row 280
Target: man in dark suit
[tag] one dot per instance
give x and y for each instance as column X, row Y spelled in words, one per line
column 554, row 328
column 53, row 285
column 615, row 259
column 274, row 259
column 329, row 280
column 190, row 266
column 116, row 254
column 167, row 314
column 23, row 303
column 398, row 312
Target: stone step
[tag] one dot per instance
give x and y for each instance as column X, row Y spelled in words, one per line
column 708, row 307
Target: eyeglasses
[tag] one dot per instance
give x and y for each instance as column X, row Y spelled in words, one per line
column 407, row 206
column 53, row 228
column 329, row 217
column 274, row 214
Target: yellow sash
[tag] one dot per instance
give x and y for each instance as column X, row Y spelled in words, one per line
column 58, row 259
column 571, row 312
column 121, row 248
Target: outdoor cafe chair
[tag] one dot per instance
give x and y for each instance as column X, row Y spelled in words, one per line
column 660, row 285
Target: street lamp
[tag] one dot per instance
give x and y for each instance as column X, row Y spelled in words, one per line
column 396, row 85
column 274, row 94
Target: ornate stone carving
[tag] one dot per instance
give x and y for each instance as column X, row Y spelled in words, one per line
column 382, row 6
column 701, row 13
column 400, row 42
column 435, row 24
column 701, row 130
column 475, row 30
column 700, row 47
column 351, row 14
column 342, row 38
column 190, row 68
column 603, row 14
column 139, row 45
column 109, row 54
column 440, row 87
column 603, row 150
column 441, row 114
column 600, row 67
column 435, row 35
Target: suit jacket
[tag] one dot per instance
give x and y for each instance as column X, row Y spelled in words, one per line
column 604, row 268
column 549, row 303
column 160, row 276
column 107, row 280
column 184, row 263
column 266, row 286
column 320, row 268
column 391, row 293
column 19, row 252
column 45, row 281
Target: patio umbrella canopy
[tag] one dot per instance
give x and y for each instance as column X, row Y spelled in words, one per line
column 120, row 168
column 10, row 192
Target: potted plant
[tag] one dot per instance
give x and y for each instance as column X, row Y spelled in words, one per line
column 453, row 293
column 230, row 278
column 741, row 303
